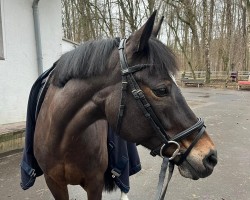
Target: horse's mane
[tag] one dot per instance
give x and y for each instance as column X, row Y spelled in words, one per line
column 161, row 58
column 91, row 58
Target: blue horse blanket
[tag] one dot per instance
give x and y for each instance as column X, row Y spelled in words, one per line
column 124, row 160
column 123, row 156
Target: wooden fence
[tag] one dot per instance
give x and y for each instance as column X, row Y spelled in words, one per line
column 216, row 75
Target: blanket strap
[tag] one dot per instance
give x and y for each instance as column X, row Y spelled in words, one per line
column 30, row 171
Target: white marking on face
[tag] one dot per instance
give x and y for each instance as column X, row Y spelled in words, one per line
column 173, row 78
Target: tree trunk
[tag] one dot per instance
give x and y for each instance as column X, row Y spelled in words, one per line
column 248, row 33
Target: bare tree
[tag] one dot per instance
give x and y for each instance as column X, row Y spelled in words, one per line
column 206, row 35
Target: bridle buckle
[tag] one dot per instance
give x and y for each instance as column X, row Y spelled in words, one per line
column 176, row 152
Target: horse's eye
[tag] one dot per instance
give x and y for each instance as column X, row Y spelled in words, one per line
column 161, row 92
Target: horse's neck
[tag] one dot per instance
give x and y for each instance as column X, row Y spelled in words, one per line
column 78, row 104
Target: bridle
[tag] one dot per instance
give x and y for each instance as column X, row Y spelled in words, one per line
column 129, row 80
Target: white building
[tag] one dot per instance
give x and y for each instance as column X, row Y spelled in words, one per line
column 18, row 50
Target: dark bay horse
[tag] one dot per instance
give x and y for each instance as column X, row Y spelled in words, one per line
column 129, row 85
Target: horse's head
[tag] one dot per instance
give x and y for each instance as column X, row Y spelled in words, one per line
column 155, row 109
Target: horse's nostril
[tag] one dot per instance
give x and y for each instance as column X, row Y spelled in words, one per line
column 211, row 159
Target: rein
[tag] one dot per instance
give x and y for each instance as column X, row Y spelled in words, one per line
column 128, row 79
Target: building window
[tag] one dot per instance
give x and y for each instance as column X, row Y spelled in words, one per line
column 1, row 34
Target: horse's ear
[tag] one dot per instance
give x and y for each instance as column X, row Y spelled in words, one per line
column 141, row 36
column 157, row 27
